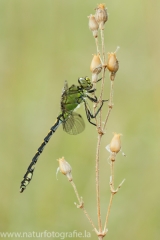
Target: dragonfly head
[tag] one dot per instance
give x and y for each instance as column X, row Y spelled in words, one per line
column 85, row 83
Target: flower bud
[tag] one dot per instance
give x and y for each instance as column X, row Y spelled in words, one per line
column 101, row 15
column 112, row 63
column 93, row 25
column 115, row 145
column 65, row 168
column 95, row 67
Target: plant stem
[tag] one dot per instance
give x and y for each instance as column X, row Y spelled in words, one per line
column 97, row 183
column 112, row 194
column 103, row 73
column 110, row 104
column 76, row 192
column 81, row 204
column 103, row 46
column 96, row 40
column 108, row 211
column 100, row 237
column 99, row 138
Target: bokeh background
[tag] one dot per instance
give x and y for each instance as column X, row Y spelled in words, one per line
column 42, row 43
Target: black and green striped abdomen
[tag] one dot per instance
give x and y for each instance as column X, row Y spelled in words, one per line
column 29, row 174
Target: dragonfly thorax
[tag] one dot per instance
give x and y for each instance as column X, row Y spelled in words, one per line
column 85, row 83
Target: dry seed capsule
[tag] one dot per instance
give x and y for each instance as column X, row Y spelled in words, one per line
column 95, row 67
column 93, row 25
column 115, row 145
column 112, row 63
column 65, row 168
column 101, row 15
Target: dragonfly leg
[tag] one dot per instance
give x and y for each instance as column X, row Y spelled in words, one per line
column 99, row 79
column 89, row 114
column 100, row 107
column 92, row 90
column 92, row 99
column 96, row 100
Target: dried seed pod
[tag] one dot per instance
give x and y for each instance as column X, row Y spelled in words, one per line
column 95, row 67
column 101, row 15
column 95, row 64
column 93, row 25
column 112, row 63
column 65, row 168
column 115, row 145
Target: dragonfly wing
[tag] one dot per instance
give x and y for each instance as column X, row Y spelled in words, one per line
column 74, row 124
column 65, row 87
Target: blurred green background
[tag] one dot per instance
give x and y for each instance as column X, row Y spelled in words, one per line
column 42, row 43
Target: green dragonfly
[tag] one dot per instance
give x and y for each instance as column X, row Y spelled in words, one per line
column 71, row 121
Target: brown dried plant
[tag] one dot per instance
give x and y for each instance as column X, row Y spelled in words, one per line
column 99, row 64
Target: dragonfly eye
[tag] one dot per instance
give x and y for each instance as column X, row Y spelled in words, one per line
column 85, row 83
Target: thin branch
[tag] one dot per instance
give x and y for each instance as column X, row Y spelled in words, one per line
column 81, row 204
column 103, row 72
column 110, row 105
column 102, row 62
column 113, row 191
column 76, row 192
column 111, row 198
column 97, row 183
column 96, row 40
column 99, row 138
column 103, row 46
column 108, row 212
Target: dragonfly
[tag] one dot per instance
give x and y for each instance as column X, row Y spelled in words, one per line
column 71, row 121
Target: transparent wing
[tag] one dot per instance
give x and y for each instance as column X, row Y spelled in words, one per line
column 65, row 87
column 74, row 124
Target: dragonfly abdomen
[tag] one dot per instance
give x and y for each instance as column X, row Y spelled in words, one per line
column 29, row 174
